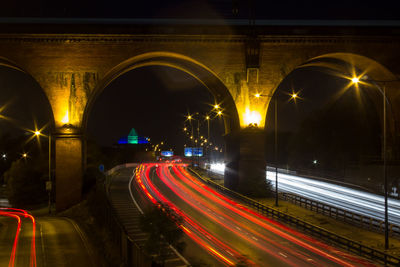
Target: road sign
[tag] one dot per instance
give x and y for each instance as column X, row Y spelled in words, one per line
column 48, row 186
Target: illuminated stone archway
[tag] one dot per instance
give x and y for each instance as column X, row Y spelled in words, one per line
column 197, row 70
column 49, row 125
column 349, row 65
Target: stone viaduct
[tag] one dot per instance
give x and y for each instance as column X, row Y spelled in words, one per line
column 73, row 62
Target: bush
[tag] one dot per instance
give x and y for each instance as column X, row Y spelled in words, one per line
column 91, row 176
column 26, row 182
column 161, row 223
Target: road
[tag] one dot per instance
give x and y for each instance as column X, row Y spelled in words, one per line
column 229, row 232
column 47, row 241
column 353, row 200
column 356, row 201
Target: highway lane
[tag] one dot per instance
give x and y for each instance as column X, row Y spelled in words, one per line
column 195, row 234
column 353, row 200
column 232, row 231
column 64, row 244
column 49, row 241
column 8, row 230
column 363, row 203
column 19, row 242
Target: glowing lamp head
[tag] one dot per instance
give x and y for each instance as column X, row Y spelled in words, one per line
column 207, row 117
column 294, row 95
column 24, row 155
column 37, row 133
column 189, row 117
column 252, row 117
column 219, row 113
column 65, row 119
column 216, row 106
column 257, row 95
column 355, row 80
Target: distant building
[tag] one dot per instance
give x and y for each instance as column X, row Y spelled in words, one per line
column 133, row 138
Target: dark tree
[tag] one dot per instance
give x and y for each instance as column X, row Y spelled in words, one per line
column 26, row 182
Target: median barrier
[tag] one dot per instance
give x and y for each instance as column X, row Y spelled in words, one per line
column 130, row 252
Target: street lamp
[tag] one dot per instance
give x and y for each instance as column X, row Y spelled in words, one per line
column 37, row 133
column 208, row 137
column 356, row 80
column 190, row 118
column 293, row 96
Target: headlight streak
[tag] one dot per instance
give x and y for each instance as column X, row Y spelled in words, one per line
column 243, row 211
column 144, row 172
column 353, row 200
column 17, row 214
column 346, row 198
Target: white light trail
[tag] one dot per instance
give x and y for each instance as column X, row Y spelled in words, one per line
column 357, row 201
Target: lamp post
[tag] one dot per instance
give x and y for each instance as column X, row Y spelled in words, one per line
column 293, row 96
column 385, row 101
column 208, row 137
column 197, row 143
column 48, row 183
column 190, row 118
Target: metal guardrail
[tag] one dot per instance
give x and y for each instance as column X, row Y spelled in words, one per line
column 341, row 214
column 342, row 242
column 130, row 252
column 334, row 212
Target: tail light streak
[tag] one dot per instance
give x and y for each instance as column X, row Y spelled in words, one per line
column 182, row 188
column 17, row 214
column 197, row 232
column 260, row 220
column 226, row 223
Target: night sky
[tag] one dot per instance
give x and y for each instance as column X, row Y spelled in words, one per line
column 323, row 124
column 155, row 101
column 23, row 104
column 223, row 9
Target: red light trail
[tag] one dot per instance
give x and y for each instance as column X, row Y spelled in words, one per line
column 252, row 228
column 195, row 231
column 18, row 214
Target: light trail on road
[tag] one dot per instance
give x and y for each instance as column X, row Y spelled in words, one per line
column 346, row 198
column 363, row 203
column 18, row 214
column 198, row 234
column 214, row 221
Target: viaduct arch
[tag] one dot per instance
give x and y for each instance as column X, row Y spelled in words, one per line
column 375, row 79
column 197, row 70
column 74, row 62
